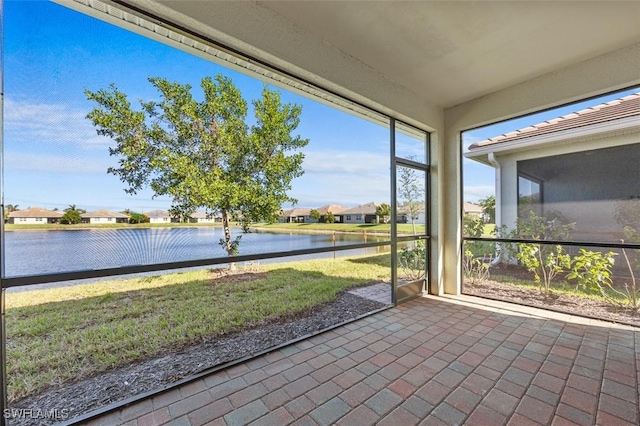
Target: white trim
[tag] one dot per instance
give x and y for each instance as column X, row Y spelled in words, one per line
column 628, row 124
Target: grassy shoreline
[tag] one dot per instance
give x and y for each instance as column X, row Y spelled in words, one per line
column 366, row 228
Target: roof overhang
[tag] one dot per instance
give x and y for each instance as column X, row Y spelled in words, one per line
column 413, row 60
column 601, row 130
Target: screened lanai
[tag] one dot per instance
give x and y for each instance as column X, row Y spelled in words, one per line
column 419, row 73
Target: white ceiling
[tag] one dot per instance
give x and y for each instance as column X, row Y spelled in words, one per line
column 446, row 52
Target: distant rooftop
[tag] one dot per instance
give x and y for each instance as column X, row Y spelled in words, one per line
column 104, row 213
column 35, row 212
column 628, row 106
column 369, row 208
column 156, row 214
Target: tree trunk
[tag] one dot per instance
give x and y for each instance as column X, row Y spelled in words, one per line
column 227, row 237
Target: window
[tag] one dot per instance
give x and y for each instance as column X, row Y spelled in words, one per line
column 529, row 196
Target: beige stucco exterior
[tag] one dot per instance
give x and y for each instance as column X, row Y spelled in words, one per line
column 587, row 214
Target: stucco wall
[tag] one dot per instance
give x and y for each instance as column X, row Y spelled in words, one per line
column 102, row 220
column 584, row 189
column 30, row 221
column 597, row 76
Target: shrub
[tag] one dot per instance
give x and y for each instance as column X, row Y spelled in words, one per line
column 476, row 269
column 474, row 262
column 592, row 270
column 544, row 261
column 412, row 261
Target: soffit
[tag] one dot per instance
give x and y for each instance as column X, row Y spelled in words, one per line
column 444, row 53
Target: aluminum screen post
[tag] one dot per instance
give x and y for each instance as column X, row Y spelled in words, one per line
column 394, row 214
column 3, row 340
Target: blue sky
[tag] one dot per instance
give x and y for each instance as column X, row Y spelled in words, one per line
column 53, row 156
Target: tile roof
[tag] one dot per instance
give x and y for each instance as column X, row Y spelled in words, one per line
column 298, row 211
column 104, row 213
column 472, row 208
column 155, row 214
column 628, row 106
column 369, row 208
column 333, row 208
column 36, row 212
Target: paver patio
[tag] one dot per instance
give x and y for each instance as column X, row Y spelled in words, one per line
column 431, row 361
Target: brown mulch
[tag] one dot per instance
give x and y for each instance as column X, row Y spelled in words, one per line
column 571, row 304
column 116, row 385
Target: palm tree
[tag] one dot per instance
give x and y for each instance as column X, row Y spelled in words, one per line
column 8, row 209
column 72, row 208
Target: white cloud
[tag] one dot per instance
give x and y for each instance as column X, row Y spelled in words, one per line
column 474, row 194
column 342, row 177
column 349, row 178
column 31, row 122
column 346, row 163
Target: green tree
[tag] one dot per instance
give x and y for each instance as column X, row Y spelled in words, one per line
column 488, row 205
column 331, row 218
column 384, row 211
column 9, row 208
column 314, row 214
column 72, row 207
column 411, row 193
column 72, row 215
column 135, row 217
column 202, row 153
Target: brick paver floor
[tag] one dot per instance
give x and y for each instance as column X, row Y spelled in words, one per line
column 430, row 361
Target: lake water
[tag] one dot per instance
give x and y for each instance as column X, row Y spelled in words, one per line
column 34, row 252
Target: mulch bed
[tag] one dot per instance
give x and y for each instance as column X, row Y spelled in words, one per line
column 571, row 304
column 92, row 393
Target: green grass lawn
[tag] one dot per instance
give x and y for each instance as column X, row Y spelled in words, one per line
column 56, row 335
column 404, row 228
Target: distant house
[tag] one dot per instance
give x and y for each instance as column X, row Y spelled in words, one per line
column 365, row 213
column 473, row 210
column 160, row 216
column 333, row 208
column 34, row 215
column 204, row 217
column 582, row 166
column 297, row 215
column 104, row 217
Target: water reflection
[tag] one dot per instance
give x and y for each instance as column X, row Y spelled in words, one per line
column 41, row 252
